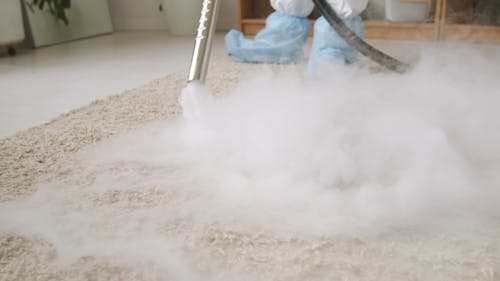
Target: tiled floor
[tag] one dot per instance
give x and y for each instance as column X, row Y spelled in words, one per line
column 38, row 85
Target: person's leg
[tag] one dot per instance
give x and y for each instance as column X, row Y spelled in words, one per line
column 328, row 47
column 281, row 41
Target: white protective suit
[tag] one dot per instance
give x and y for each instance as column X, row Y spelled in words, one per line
column 302, row 8
column 287, row 29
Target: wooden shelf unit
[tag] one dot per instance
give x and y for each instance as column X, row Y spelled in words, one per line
column 403, row 31
column 252, row 14
column 466, row 31
column 471, row 33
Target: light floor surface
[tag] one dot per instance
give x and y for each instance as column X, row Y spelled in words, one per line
column 38, row 85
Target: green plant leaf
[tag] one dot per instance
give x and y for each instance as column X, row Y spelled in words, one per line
column 51, row 7
column 66, row 4
column 61, row 14
column 56, row 7
column 30, row 5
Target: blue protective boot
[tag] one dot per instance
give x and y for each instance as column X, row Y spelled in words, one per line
column 280, row 42
column 328, row 47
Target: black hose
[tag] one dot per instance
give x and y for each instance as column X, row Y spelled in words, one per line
column 352, row 39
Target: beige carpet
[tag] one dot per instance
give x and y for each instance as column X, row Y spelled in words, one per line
column 185, row 244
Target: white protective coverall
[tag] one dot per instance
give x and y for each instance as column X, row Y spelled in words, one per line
column 287, row 29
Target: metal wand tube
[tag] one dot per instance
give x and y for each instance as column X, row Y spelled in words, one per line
column 203, row 42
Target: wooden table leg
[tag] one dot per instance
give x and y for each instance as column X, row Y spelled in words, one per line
column 440, row 21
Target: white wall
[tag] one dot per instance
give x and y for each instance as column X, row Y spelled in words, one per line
column 137, row 15
column 11, row 22
column 145, row 15
column 228, row 17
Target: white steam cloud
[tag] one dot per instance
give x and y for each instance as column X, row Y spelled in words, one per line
column 353, row 148
column 345, row 152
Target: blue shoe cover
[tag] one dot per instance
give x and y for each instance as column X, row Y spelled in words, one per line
column 328, row 47
column 280, row 42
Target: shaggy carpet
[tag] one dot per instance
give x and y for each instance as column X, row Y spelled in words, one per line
column 140, row 228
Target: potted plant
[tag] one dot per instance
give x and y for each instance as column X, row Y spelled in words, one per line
column 56, row 7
